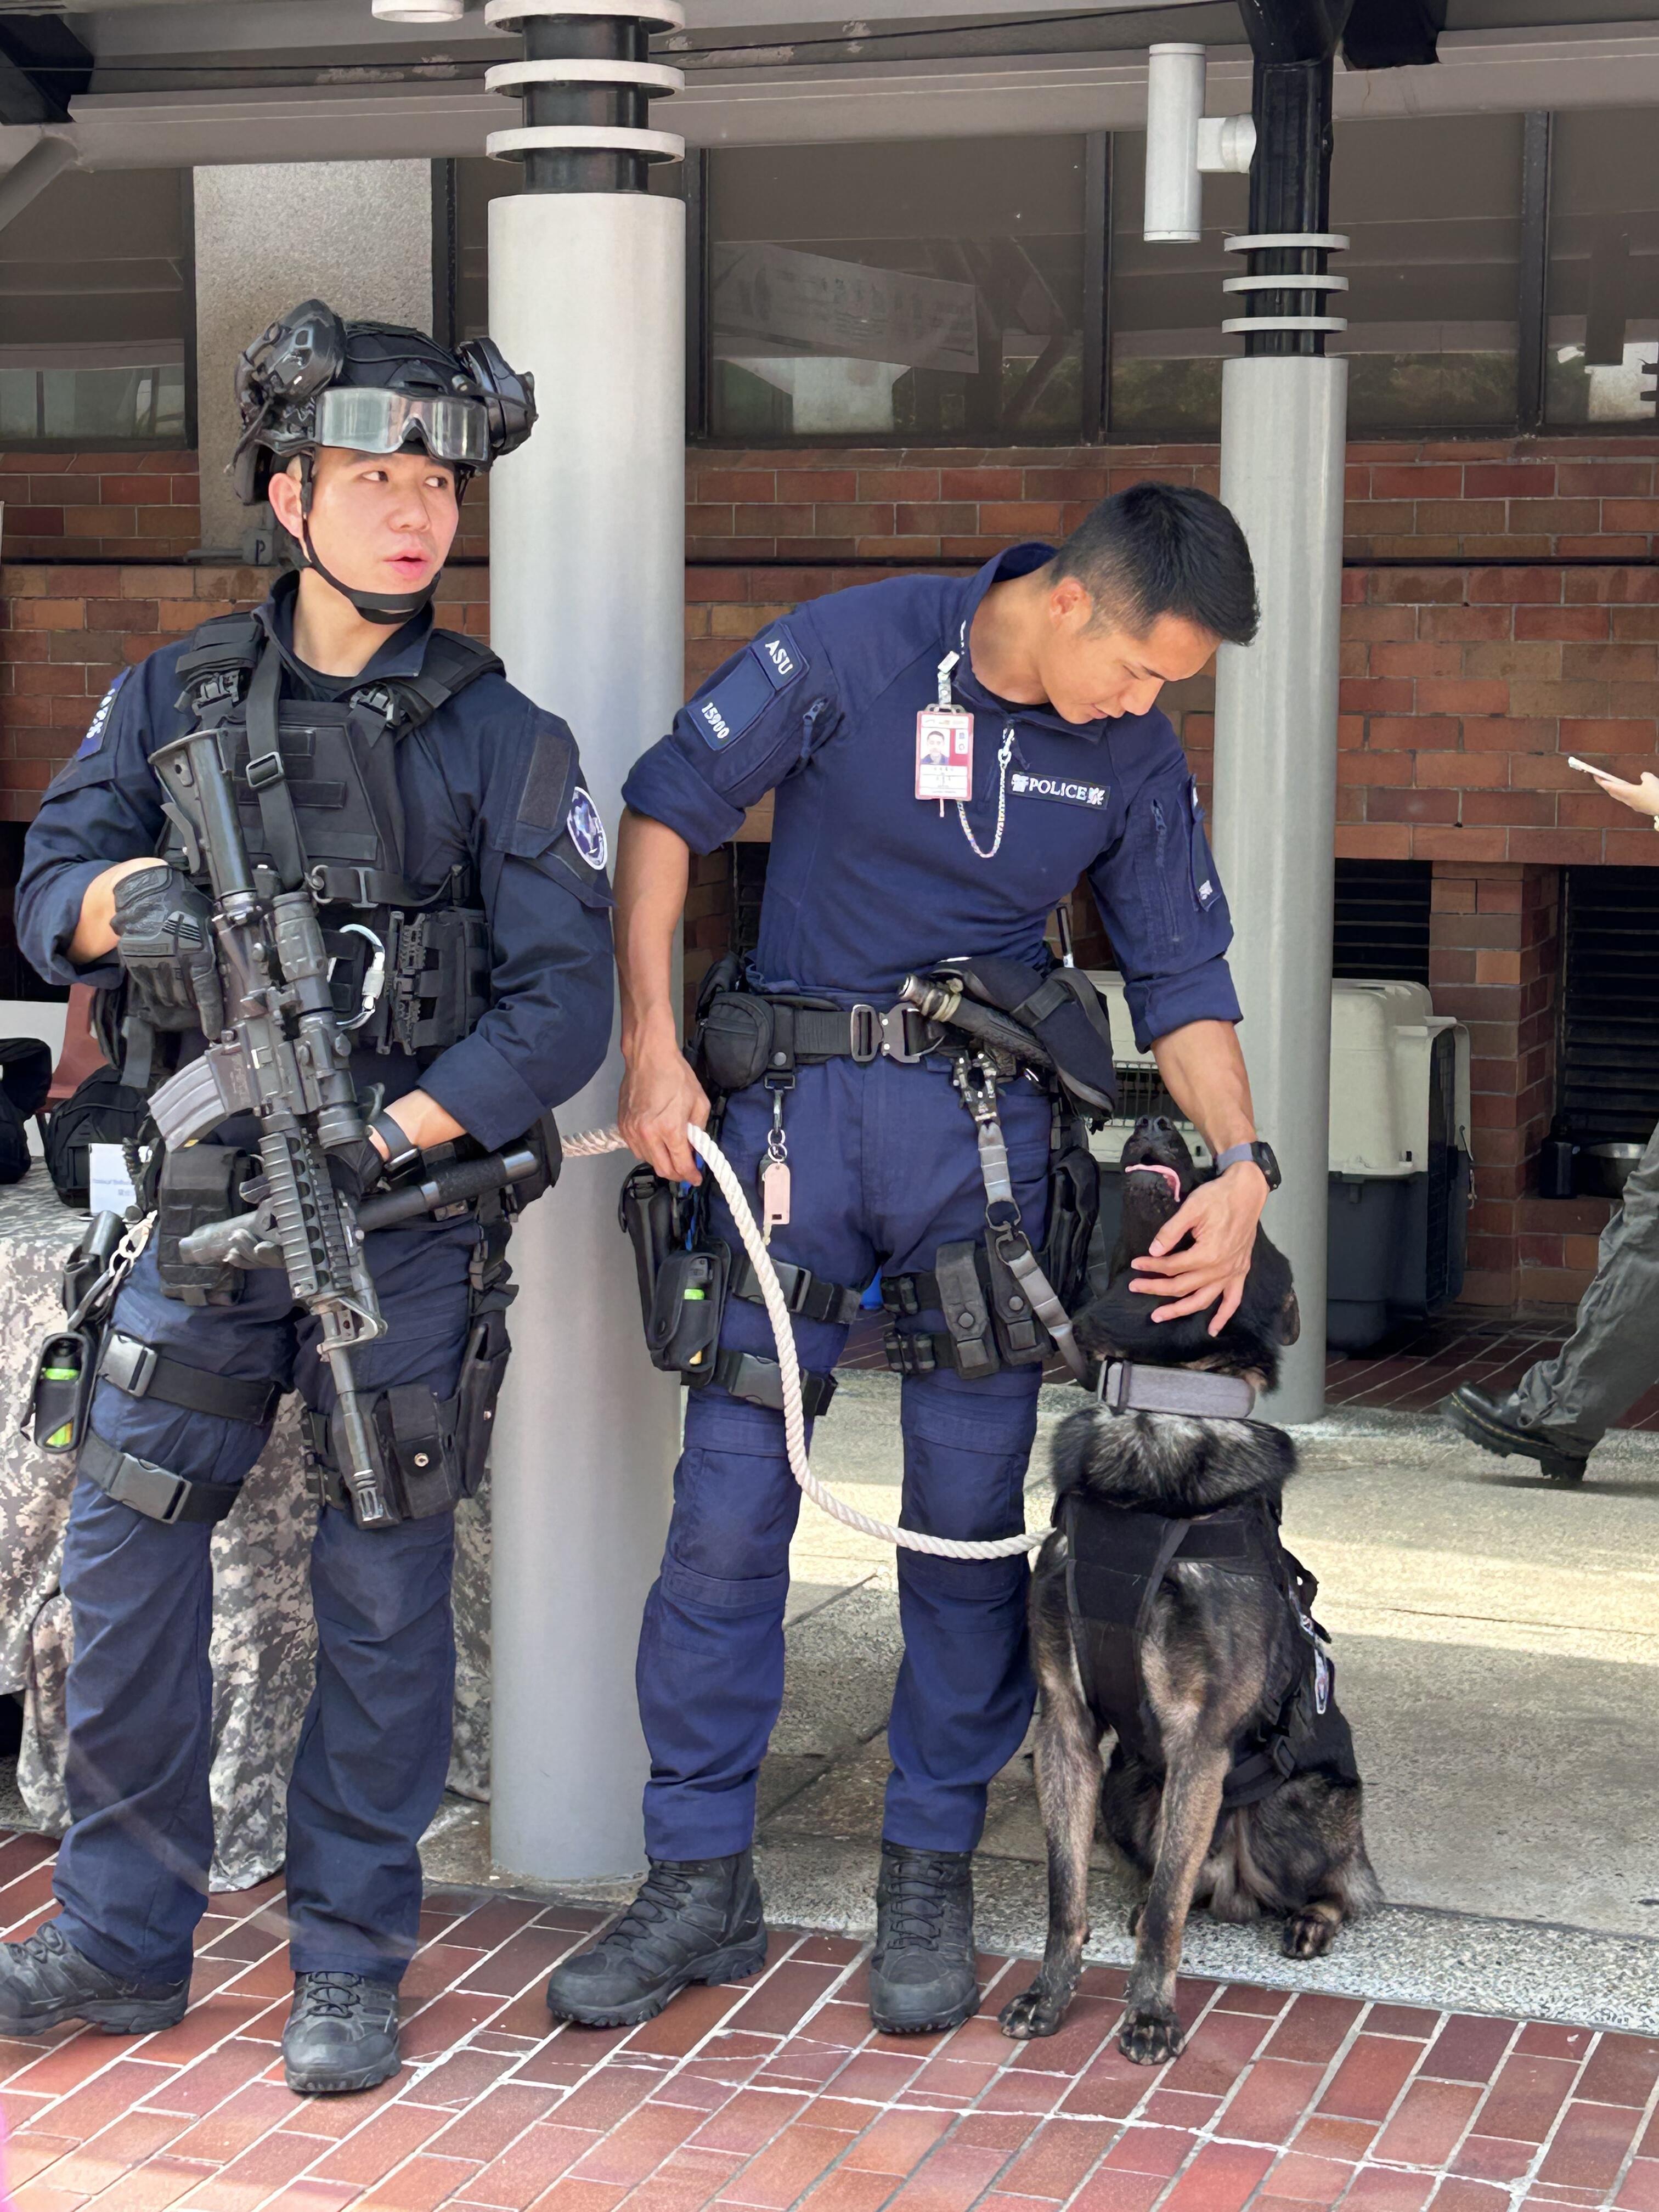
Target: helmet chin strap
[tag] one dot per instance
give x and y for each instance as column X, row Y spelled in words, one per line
column 391, row 609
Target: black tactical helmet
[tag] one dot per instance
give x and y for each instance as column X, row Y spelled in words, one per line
column 315, row 380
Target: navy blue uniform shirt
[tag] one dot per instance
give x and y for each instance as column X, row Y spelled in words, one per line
column 463, row 777
column 866, row 882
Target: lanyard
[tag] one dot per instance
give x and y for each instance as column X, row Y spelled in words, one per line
column 1005, row 752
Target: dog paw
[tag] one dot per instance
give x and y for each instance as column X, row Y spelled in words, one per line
column 1035, row 2012
column 1310, row 1933
column 1151, row 2037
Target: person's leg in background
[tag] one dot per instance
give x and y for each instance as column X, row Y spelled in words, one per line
column 132, row 1873
column 711, row 1654
column 374, row 1749
column 964, row 1693
column 1562, row 1407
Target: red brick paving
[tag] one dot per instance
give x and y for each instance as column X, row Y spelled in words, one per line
column 775, row 2095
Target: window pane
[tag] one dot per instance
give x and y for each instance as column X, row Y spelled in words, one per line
column 921, row 291
column 1431, row 206
column 1604, row 266
column 93, row 310
column 1167, row 304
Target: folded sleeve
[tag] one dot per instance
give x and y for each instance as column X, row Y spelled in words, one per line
column 1165, row 912
column 758, row 719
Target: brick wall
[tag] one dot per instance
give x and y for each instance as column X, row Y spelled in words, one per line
column 1464, row 689
column 1561, row 499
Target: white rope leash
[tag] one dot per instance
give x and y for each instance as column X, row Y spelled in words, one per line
column 591, row 1144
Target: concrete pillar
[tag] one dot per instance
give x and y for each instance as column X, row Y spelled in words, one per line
column 1282, row 432
column 355, row 233
column 587, row 590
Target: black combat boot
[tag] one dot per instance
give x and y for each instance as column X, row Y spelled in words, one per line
column 45, row 1980
column 1504, row 1426
column 922, row 1976
column 693, row 1920
column 342, row 2034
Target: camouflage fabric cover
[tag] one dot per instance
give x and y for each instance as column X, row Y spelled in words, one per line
column 264, row 1638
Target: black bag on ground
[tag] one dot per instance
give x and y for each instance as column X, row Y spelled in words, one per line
column 103, row 1111
column 25, row 1079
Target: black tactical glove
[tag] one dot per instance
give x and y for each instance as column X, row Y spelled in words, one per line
column 355, row 1170
column 164, row 939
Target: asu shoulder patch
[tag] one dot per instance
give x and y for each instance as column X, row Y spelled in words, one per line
column 771, row 663
column 96, row 728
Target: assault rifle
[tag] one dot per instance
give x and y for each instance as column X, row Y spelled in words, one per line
column 282, row 1056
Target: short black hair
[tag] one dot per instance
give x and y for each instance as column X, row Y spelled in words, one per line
column 1161, row 549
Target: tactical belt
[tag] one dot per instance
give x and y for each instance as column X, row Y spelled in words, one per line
column 861, row 1033
column 804, row 1293
column 154, row 1492
column 1128, row 1386
column 759, row 1382
column 143, row 1372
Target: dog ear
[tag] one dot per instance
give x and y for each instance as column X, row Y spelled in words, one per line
column 1290, row 1319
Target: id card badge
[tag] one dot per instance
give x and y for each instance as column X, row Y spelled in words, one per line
column 945, row 753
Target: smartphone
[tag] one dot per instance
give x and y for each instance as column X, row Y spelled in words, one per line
column 1602, row 775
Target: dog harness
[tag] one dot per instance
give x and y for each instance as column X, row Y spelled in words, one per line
column 1117, row 1558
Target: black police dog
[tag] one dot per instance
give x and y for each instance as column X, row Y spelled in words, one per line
column 1212, row 1648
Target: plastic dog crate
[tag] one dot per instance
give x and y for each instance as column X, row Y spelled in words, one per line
column 1398, row 1152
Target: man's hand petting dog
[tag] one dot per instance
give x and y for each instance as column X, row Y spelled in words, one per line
column 1202, row 1253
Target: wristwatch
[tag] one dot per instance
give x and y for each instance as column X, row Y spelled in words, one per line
column 1260, row 1152
column 402, row 1152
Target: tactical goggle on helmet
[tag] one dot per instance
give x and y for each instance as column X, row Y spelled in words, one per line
column 313, row 380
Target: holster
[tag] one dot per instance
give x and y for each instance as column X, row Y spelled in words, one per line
column 198, row 1184
column 649, row 1211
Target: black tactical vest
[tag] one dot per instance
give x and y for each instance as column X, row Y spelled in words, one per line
column 1116, row 1558
column 316, row 789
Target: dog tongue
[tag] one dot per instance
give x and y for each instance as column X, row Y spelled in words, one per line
column 1153, row 1167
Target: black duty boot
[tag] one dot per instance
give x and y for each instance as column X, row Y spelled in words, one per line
column 693, row 1920
column 921, row 1975
column 44, row 1979
column 342, row 2034
column 1504, row 1426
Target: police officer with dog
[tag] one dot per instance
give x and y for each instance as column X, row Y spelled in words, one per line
column 900, row 1070
column 420, row 923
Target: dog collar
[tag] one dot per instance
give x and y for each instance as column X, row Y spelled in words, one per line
column 1129, row 1386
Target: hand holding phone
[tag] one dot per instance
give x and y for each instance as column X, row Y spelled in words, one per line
column 1641, row 798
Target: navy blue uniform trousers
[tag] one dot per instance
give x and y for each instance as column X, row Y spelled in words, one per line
column 885, row 1168
column 374, row 1749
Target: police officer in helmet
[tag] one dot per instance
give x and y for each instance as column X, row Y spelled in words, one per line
column 949, row 756
column 438, row 821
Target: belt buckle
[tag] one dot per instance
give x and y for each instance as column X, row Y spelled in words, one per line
column 264, row 769
column 895, row 1036
column 130, row 1364
column 867, row 1034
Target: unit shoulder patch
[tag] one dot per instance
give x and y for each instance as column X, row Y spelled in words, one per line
column 96, row 728
column 772, row 663
column 587, row 829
